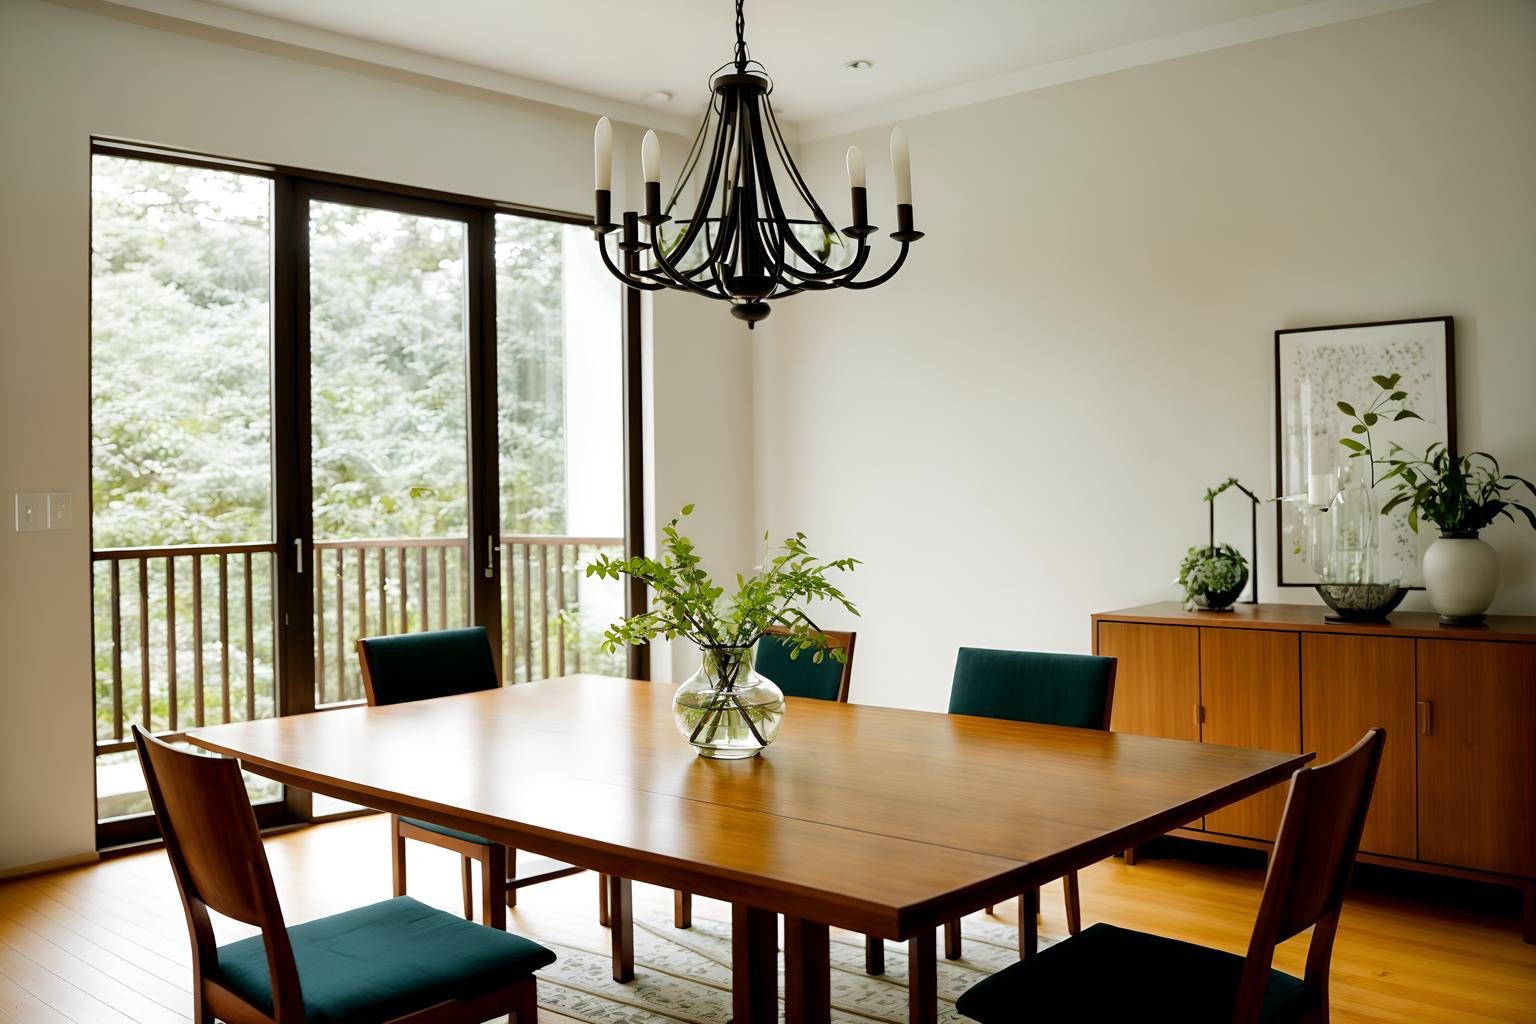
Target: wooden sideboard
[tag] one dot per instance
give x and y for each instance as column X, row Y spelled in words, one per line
column 1456, row 793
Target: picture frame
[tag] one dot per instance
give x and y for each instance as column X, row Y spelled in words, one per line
column 1315, row 369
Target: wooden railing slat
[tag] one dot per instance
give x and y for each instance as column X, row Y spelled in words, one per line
column 405, row 619
column 144, row 702
column 250, row 645
column 560, row 602
column 527, row 615
column 442, row 587
column 318, row 568
column 421, row 587
column 224, row 635
column 117, row 654
column 341, row 627
column 170, row 641
column 383, row 598
column 197, row 637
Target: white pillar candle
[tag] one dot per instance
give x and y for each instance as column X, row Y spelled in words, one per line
column 1320, row 490
column 650, row 157
column 602, row 154
column 855, row 167
column 901, row 166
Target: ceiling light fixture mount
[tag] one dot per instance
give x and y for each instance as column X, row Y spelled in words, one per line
column 740, row 245
column 859, row 65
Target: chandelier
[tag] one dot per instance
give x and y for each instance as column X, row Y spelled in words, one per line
column 739, row 245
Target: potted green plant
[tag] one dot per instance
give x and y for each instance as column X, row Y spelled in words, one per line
column 1213, row 576
column 726, row 709
column 1462, row 495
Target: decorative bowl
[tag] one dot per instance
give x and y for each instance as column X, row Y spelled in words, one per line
column 1361, row 602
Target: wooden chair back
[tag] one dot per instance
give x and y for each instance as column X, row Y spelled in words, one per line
column 217, row 858
column 1310, row 866
column 418, row 666
column 1076, row 690
column 803, row 676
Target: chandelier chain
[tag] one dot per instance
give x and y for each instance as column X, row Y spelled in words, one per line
column 741, row 37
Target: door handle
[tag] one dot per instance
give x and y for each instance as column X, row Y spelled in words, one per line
column 1426, row 717
column 298, row 554
column 490, row 557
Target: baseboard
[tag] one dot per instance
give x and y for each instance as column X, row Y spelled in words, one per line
column 43, row 867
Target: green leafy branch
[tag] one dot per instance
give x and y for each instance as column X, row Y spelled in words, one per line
column 1387, row 406
column 690, row 605
column 1459, row 495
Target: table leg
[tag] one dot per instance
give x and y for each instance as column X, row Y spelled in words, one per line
column 923, row 977
column 621, row 931
column 807, row 972
column 1029, row 923
column 754, row 965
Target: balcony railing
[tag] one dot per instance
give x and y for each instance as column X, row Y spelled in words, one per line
column 185, row 635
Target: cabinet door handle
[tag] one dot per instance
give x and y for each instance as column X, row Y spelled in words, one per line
column 1199, row 715
column 1426, row 717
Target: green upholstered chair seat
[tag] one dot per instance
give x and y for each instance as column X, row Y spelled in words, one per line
column 451, row 833
column 1109, row 973
column 419, row 666
column 800, row 676
column 381, row 961
column 1024, row 686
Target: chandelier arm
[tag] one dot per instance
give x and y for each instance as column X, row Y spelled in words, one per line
column 625, row 278
column 678, row 279
column 848, row 273
column 691, row 162
column 711, row 180
column 820, row 269
column 794, row 172
column 901, row 258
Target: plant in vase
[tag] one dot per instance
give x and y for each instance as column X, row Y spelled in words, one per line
column 1212, row 575
column 726, row 709
column 1462, row 496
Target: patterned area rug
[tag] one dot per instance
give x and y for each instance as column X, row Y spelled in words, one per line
column 685, row 975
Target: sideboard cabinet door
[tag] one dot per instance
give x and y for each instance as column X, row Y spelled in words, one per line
column 1157, row 680
column 1250, row 683
column 1350, row 684
column 1477, row 755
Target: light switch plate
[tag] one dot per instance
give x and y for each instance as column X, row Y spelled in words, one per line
column 31, row 512
column 61, row 510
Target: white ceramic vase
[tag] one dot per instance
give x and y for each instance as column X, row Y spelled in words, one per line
column 1461, row 574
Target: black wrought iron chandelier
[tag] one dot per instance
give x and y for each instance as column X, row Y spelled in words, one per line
column 739, row 245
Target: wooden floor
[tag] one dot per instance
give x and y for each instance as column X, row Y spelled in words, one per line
column 107, row 944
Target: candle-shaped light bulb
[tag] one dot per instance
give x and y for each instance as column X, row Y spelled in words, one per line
column 650, row 157
column 733, row 162
column 855, row 167
column 602, row 155
column 901, row 167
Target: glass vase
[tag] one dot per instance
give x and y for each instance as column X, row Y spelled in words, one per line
column 1353, row 553
column 725, row 709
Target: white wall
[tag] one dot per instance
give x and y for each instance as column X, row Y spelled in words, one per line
column 1018, row 429
column 65, row 75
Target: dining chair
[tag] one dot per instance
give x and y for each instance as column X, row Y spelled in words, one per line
column 797, row 676
column 398, row 960
column 1109, row 973
column 1075, row 690
column 443, row 663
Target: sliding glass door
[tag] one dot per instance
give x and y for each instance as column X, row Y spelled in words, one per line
column 388, row 351
column 326, row 409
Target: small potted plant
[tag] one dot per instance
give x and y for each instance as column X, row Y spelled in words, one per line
column 1213, row 576
column 1462, row 496
column 726, row 709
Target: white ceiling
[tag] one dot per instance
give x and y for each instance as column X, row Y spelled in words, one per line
column 628, row 50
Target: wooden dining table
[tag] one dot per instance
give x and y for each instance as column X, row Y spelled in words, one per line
column 883, row 821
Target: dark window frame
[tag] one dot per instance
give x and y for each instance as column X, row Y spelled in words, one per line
column 292, row 189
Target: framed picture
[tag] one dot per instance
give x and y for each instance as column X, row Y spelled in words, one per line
column 1316, row 368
